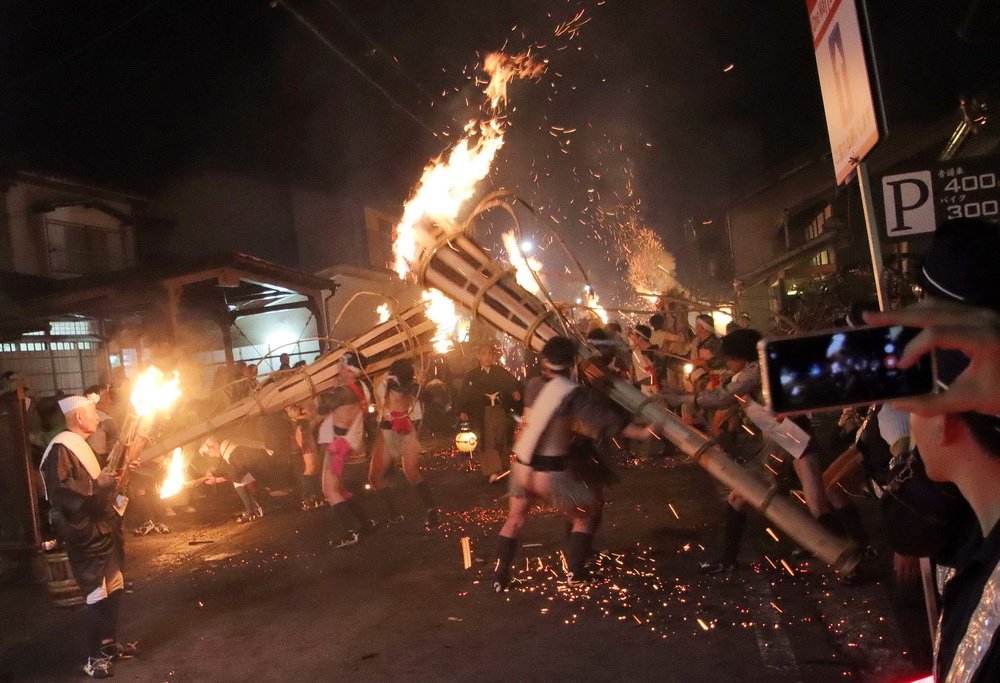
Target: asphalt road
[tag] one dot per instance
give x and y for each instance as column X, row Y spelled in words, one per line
column 273, row 600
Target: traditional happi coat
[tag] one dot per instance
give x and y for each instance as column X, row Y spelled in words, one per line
column 81, row 511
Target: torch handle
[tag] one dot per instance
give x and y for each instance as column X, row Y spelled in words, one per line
column 840, row 553
column 464, row 272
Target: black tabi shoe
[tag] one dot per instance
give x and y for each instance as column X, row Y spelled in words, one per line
column 395, row 519
column 433, row 518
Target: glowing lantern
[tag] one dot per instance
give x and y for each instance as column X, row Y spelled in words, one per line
column 466, row 439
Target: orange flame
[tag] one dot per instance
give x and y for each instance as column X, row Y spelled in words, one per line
column 441, row 311
column 594, row 302
column 153, row 391
column 503, row 68
column 175, row 480
column 382, row 312
column 523, row 265
column 450, row 181
column 444, row 188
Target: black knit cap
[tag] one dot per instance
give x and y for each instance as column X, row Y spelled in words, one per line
column 963, row 263
column 740, row 344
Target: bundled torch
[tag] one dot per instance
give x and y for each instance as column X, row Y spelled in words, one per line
column 153, row 392
column 449, row 260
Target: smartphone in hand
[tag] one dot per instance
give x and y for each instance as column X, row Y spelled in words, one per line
column 841, row 368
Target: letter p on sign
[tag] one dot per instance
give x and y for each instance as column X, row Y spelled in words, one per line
column 909, row 203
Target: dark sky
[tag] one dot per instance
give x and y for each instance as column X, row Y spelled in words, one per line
column 136, row 93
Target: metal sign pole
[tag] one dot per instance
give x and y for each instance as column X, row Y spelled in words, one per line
column 874, row 241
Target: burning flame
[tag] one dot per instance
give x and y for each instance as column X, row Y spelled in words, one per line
column 523, row 265
column 441, row 311
column 594, row 302
column 383, row 312
column 450, row 181
column 174, row 481
column 153, row 391
column 503, row 68
column 444, row 188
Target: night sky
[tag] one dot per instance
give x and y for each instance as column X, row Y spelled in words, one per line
column 134, row 94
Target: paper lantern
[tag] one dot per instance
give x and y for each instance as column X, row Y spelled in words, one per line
column 466, row 439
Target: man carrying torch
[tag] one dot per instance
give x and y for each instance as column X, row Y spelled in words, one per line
column 81, row 497
column 547, row 454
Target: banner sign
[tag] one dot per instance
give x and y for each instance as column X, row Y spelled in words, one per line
column 843, row 79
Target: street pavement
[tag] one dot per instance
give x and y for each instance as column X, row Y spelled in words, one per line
column 273, row 600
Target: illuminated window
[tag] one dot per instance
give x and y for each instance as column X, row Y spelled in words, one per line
column 50, row 366
column 823, row 258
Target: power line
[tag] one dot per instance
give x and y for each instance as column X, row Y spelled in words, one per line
column 377, row 48
column 357, row 69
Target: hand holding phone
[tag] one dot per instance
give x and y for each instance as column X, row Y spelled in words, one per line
column 841, row 368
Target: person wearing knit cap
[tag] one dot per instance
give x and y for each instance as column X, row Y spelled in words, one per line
column 958, row 434
column 398, row 443
column 557, row 410
column 80, row 494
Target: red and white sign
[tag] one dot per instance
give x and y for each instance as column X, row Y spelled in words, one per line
column 843, row 78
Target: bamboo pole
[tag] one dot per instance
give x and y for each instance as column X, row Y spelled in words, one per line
column 453, row 263
column 406, row 336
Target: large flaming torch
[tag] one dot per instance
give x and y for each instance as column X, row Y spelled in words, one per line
column 153, row 392
column 414, row 332
column 435, row 250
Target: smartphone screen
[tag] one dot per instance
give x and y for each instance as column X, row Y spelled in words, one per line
column 841, row 368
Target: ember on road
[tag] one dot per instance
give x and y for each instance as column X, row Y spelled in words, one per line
column 532, row 340
column 275, row 601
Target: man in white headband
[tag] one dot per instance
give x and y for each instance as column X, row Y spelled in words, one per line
column 80, row 495
column 236, row 462
column 549, row 468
